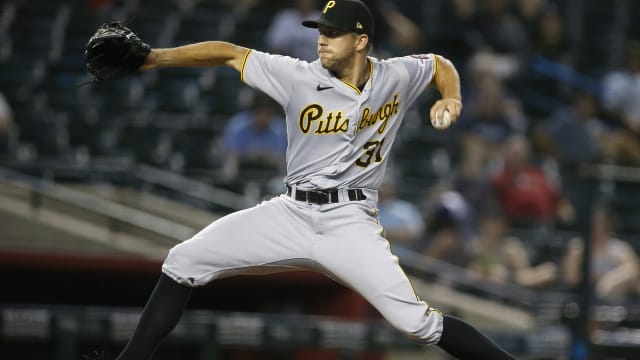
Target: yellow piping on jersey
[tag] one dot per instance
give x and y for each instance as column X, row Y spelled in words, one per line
column 244, row 63
column 352, row 86
column 435, row 66
column 370, row 78
column 370, row 71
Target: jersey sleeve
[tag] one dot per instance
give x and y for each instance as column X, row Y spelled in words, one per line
column 420, row 70
column 272, row 74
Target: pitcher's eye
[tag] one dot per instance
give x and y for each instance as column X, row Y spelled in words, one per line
column 332, row 33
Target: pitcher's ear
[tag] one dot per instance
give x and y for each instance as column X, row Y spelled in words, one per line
column 363, row 42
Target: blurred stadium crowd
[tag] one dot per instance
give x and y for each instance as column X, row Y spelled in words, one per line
column 549, row 86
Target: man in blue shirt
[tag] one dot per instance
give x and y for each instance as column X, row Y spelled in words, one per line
column 255, row 136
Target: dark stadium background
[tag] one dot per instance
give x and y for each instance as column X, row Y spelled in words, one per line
column 97, row 181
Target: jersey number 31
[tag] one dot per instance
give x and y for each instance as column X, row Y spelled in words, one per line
column 372, row 152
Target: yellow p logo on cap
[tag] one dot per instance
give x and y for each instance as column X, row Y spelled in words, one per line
column 329, row 5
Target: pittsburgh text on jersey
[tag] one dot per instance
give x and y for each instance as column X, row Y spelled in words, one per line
column 331, row 124
column 335, row 122
column 383, row 114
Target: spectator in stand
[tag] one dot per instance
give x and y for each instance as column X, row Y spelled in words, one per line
column 471, row 180
column 286, row 37
column 575, row 134
column 402, row 220
column 255, row 136
column 614, row 268
column 529, row 13
column 100, row 6
column 455, row 36
column 490, row 118
column 449, row 226
column 551, row 50
column 524, row 191
column 504, row 258
column 621, row 89
column 549, row 37
column 501, row 32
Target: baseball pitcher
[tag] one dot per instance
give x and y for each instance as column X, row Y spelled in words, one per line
column 343, row 112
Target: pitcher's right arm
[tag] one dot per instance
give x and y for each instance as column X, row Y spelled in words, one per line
column 203, row 54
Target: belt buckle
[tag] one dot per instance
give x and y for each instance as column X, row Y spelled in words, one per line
column 317, row 197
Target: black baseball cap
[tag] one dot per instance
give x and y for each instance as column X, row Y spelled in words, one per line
column 349, row 15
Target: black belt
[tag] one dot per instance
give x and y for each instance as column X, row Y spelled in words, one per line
column 321, row 197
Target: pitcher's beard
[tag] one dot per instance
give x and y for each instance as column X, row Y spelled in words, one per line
column 336, row 66
column 329, row 64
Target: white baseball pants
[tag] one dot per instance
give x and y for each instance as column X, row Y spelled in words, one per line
column 341, row 240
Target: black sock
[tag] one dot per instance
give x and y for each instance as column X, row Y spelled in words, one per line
column 161, row 314
column 464, row 341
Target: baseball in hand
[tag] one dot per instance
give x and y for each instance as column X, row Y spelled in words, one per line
column 442, row 122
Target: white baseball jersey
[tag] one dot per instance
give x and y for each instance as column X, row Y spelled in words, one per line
column 338, row 138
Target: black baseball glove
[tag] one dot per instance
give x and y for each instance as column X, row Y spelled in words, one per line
column 114, row 51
